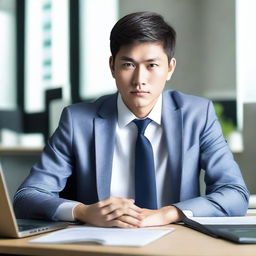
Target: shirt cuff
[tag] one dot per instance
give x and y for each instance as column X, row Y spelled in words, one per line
column 65, row 211
column 188, row 213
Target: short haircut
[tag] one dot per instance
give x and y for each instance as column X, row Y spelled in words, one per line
column 141, row 27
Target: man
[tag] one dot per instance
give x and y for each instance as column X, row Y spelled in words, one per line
column 103, row 146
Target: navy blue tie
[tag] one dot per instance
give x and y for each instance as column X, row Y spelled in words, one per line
column 145, row 182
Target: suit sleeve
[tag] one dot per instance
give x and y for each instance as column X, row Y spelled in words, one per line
column 38, row 196
column 226, row 193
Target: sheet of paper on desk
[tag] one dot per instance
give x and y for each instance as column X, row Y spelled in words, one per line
column 105, row 236
column 244, row 220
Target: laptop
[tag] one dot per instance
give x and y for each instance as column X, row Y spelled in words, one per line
column 17, row 228
column 243, row 232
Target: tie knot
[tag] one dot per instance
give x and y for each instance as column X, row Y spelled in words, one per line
column 142, row 124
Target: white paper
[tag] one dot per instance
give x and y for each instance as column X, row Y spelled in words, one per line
column 245, row 220
column 251, row 211
column 104, row 236
column 252, row 201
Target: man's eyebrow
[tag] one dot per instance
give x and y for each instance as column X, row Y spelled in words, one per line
column 126, row 58
column 153, row 59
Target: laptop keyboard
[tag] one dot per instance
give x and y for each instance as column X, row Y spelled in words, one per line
column 23, row 227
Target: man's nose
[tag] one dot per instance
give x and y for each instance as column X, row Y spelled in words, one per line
column 139, row 76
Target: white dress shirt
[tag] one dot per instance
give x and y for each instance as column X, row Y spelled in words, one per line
column 122, row 180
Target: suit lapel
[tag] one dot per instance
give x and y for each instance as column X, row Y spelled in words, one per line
column 172, row 126
column 105, row 125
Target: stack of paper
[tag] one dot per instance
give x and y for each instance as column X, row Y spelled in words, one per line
column 104, row 236
column 252, row 205
column 243, row 220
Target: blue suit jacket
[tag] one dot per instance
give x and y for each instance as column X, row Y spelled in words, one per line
column 84, row 143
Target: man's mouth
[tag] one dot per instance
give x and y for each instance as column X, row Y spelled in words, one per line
column 139, row 93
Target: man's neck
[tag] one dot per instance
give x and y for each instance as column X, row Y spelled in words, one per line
column 126, row 115
column 141, row 112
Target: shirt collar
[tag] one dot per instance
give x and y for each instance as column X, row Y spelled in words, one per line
column 125, row 116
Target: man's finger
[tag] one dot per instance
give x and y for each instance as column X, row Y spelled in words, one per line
column 130, row 220
column 121, row 224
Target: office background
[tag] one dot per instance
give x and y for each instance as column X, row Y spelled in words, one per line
column 55, row 52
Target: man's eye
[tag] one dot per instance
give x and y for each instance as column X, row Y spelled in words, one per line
column 152, row 65
column 128, row 65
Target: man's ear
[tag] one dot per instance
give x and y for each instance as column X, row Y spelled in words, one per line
column 112, row 66
column 172, row 65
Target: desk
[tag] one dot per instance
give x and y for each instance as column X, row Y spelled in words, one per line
column 20, row 151
column 183, row 241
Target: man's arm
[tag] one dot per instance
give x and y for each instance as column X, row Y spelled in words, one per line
column 226, row 193
column 38, row 196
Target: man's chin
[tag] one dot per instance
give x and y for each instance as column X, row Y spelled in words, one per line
column 140, row 103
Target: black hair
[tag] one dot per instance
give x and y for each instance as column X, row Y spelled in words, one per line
column 140, row 27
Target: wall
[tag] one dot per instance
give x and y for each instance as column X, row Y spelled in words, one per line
column 218, row 46
column 245, row 54
column 247, row 158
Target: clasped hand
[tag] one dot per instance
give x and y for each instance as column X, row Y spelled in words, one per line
column 123, row 213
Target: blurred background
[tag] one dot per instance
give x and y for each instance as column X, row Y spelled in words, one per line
column 55, row 52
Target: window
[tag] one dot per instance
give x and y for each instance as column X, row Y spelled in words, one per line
column 7, row 53
column 97, row 18
column 47, row 51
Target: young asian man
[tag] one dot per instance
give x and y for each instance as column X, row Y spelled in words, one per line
column 98, row 141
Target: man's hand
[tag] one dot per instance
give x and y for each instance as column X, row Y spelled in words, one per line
column 111, row 212
column 162, row 216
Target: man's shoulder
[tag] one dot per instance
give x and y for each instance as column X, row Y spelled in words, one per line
column 92, row 106
column 183, row 100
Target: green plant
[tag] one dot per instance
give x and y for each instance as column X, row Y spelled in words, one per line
column 226, row 124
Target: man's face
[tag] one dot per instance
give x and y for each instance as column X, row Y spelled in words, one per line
column 141, row 71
